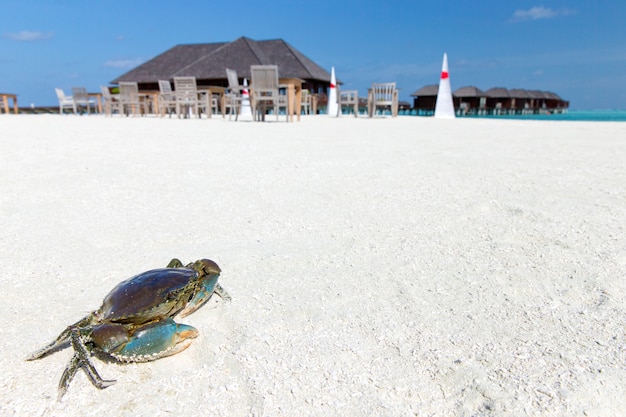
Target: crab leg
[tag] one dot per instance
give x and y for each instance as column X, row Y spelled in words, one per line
column 60, row 341
column 80, row 360
column 175, row 263
column 68, row 375
column 219, row 290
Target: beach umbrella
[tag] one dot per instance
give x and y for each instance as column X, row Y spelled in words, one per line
column 444, row 107
column 333, row 108
column 245, row 100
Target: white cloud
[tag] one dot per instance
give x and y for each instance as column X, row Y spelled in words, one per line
column 540, row 12
column 123, row 63
column 28, row 36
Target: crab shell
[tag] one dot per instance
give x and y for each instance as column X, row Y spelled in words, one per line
column 158, row 294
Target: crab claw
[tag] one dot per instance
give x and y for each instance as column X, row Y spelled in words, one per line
column 146, row 343
column 208, row 274
column 207, row 287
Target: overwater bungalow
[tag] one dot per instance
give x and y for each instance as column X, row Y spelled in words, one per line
column 424, row 100
column 472, row 100
column 520, row 101
column 469, row 101
column 498, row 100
column 554, row 103
column 537, row 99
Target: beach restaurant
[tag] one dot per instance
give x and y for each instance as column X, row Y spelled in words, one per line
column 207, row 62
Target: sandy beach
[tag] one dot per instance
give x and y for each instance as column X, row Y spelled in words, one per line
column 377, row 267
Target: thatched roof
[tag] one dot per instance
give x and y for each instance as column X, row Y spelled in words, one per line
column 209, row 61
column 498, row 92
column 536, row 94
column 428, row 90
column 518, row 93
column 469, row 91
column 552, row 96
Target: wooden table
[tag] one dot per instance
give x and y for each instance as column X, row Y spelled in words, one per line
column 294, row 96
column 5, row 101
column 98, row 97
column 218, row 91
column 151, row 95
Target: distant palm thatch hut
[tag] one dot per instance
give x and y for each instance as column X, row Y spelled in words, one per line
column 554, row 102
column 520, row 100
column 472, row 100
column 425, row 99
column 469, row 100
column 546, row 102
column 498, row 99
column 537, row 99
column 208, row 62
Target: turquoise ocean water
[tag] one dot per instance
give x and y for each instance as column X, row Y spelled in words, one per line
column 572, row 115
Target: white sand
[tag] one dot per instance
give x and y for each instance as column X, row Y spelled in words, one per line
column 378, row 267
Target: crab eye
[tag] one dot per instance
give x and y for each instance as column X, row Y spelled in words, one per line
column 172, row 295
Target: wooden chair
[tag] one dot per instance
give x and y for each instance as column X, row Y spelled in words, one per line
column 4, row 102
column 189, row 99
column 167, row 98
column 348, row 98
column 82, row 100
column 234, row 94
column 306, row 101
column 382, row 95
column 265, row 91
column 65, row 101
column 186, row 92
column 129, row 98
column 111, row 101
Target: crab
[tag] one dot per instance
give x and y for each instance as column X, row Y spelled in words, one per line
column 136, row 320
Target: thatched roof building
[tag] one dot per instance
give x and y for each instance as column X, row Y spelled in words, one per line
column 425, row 99
column 496, row 100
column 467, row 98
column 208, row 62
column 520, row 99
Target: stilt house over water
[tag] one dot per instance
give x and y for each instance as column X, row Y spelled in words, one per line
column 471, row 100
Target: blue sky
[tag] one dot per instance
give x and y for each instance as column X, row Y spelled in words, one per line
column 576, row 48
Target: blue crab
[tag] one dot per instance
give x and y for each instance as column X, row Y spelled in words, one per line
column 135, row 322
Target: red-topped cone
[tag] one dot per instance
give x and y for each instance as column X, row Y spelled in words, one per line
column 444, row 107
column 245, row 100
column 333, row 108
